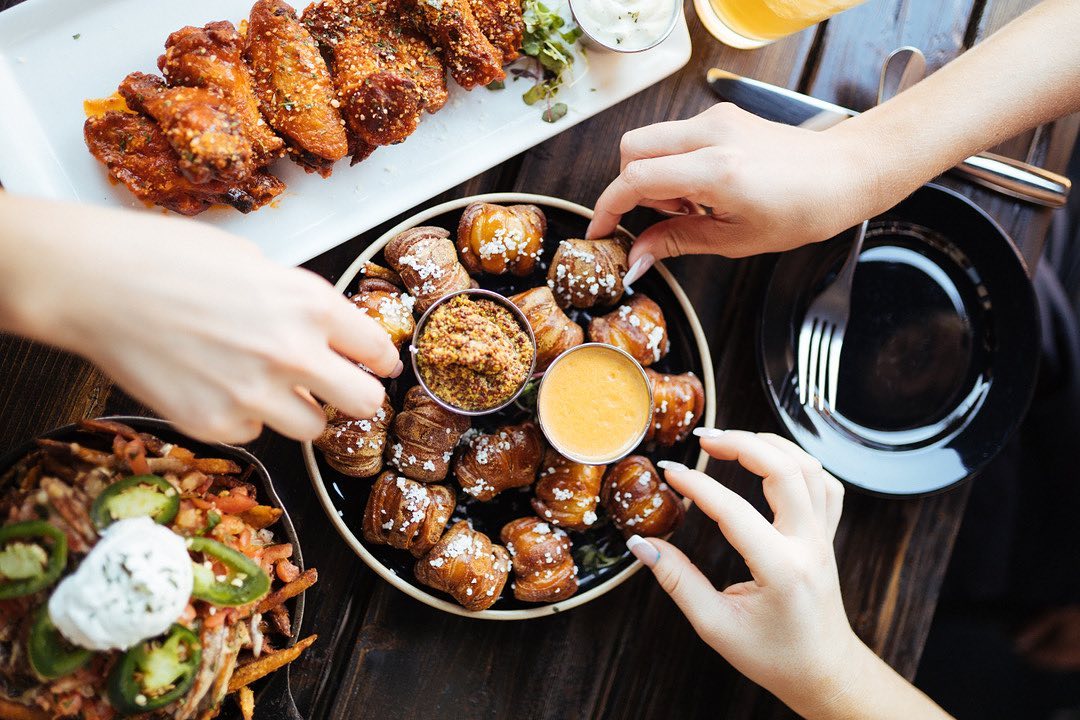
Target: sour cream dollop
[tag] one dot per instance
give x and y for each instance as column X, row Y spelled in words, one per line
column 625, row 25
column 134, row 583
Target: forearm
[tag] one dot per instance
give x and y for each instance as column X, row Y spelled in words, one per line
column 1025, row 75
column 31, row 257
column 871, row 690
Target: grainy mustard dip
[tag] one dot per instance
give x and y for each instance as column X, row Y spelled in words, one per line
column 473, row 354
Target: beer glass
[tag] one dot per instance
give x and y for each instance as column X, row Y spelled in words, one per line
column 753, row 23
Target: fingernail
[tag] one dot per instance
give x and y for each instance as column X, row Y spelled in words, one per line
column 639, row 268
column 671, row 465
column 398, row 369
column 704, row 432
column 643, row 550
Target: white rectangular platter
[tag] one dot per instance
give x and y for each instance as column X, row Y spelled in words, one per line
column 56, row 53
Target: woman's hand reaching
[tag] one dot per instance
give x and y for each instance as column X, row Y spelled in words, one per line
column 770, row 187
column 190, row 320
column 785, row 629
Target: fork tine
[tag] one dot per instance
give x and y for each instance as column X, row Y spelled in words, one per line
column 815, row 347
column 823, row 363
column 803, row 363
column 836, row 345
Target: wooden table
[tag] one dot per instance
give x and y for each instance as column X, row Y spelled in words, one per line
column 629, row 654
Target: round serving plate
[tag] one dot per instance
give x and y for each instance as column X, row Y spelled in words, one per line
column 940, row 353
column 273, row 693
column 604, row 561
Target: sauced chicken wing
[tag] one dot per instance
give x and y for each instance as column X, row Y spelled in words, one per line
column 198, row 124
column 138, row 154
column 293, row 86
column 211, row 57
column 385, row 74
column 451, row 25
column 502, row 23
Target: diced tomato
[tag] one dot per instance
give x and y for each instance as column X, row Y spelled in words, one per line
column 286, row 571
column 233, row 503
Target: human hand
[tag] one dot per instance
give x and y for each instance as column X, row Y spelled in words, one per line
column 771, row 187
column 199, row 325
column 786, row 629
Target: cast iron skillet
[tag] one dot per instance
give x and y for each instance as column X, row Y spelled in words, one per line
column 941, row 350
column 274, row 698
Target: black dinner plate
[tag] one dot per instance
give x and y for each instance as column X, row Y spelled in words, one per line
column 941, row 351
column 600, row 553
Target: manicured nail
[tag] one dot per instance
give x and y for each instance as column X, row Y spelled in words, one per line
column 671, row 465
column 643, row 550
column 704, row 432
column 398, row 369
column 639, row 268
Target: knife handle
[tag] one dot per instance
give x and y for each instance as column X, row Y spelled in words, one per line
column 1016, row 178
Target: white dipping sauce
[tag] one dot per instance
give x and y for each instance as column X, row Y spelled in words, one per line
column 135, row 582
column 625, row 25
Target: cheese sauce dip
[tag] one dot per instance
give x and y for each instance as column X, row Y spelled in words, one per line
column 626, row 25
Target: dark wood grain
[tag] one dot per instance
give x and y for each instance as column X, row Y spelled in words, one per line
column 629, row 654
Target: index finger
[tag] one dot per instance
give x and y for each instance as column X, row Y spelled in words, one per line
column 358, row 336
column 744, row 527
column 782, row 477
column 662, row 178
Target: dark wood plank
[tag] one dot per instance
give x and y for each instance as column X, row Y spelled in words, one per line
column 856, row 43
column 629, row 654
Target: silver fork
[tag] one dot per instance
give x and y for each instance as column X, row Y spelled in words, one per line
column 821, row 337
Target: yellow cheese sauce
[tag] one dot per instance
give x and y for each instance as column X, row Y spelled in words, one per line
column 594, row 404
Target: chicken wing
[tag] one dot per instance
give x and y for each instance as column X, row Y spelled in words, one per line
column 503, row 25
column 199, row 125
column 385, row 74
column 211, row 57
column 452, row 27
column 294, row 87
column 138, row 154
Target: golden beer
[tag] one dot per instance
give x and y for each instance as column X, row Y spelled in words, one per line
column 753, row 23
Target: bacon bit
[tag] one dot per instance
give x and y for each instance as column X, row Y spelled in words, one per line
column 286, row 571
column 69, row 704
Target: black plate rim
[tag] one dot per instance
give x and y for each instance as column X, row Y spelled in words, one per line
column 356, row 544
column 1025, row 395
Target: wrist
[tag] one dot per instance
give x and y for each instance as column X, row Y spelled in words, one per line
column 832, row 691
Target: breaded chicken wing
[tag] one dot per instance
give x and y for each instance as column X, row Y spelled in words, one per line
column 385, row 74
column 211, row 57
column 199, row 125
column 294, row 87
column 503, row 25
column 137, row 153
column 452, row 27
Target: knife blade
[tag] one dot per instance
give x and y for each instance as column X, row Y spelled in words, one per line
column 1014, row 178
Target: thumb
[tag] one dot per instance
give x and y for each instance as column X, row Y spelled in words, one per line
column 688, row 587
column 687, row 235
